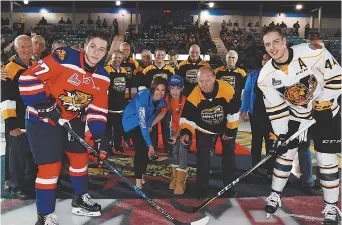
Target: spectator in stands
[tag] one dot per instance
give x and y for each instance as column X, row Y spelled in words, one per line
column 68, row 21
column 38, row 47
column 22, row 19
column 61, row 21
column 283, row 25
column 6, row 21
column 272, row 24
column 42, row 21
column 20, row 155
column 306, row 32
column 296, row 26
column 104, row 23
column 277, row 25
column 82, row 22
column 2, row 21
column 116, row 26
column 90, row 21
column 223, row 24
column 58, row 44
column 229, row 24
column 256, row 24
column 236, row 24
column 253, row 107
column 173, row 57
column 250, row 24
column 98, row 22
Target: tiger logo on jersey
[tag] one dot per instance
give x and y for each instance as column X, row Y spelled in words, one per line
column 75, row 100
column 213, row 115
column 299, row 93
column 60, row 54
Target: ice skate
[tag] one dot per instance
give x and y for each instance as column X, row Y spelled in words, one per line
column 83, row 205
column 273, row 202
column 50, row 219
column 332, row 214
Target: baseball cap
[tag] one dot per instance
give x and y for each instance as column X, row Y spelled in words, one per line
column 176, row 81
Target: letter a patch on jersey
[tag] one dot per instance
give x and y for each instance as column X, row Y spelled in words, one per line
column 74, row 80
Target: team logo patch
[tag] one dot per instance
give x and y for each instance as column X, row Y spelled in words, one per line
column 213, row 115
column 163, row 75
column 75, row 100
column 61, row 54
column 191, row 76
column 229, row 79
column 74, row 80
column 299, row 93
column 119, row 84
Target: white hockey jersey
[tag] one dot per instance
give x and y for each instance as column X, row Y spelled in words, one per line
column 290, row 89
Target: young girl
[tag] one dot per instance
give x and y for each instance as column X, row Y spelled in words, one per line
column 176, row 101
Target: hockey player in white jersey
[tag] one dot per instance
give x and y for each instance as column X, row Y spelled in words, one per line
column 302, row 83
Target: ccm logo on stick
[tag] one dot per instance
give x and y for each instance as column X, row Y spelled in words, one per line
column 331, row 141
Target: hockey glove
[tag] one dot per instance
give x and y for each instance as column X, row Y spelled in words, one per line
column 48, row 109
column 101, row 145
column 277, row 144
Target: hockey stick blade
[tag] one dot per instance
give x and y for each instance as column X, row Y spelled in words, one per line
column 202, row 221
column 193, row 209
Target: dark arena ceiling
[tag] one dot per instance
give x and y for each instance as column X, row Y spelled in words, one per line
column 329, row 7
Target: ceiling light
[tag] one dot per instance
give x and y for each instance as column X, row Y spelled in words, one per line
column 118, row 3
column 299, row 7
column 211, row 4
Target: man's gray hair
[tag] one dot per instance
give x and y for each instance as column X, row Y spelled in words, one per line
column 19, row 38
column 234, row 53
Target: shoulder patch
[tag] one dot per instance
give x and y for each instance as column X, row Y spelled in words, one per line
column 60, row 53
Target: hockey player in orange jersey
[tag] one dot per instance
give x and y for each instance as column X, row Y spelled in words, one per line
column 61, row 86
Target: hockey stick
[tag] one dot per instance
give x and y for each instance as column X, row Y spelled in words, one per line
column 193, row 209
column 202, row 221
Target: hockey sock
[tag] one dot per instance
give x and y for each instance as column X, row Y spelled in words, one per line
column 329, row 176
column 78, row 172
column 46, row 184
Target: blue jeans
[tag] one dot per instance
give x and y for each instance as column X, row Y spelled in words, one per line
column 305, row 163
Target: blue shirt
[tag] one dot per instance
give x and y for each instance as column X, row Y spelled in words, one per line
column 248, row 97
column 141, row 111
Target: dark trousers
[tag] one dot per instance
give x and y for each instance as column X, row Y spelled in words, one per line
column 7, row 153
column 260, row 133
column 21, row 160
column 204, row 142
column 141, row 152
column 114, row 123
column 166, row 129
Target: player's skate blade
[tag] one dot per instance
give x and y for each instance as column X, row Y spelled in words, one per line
column 84, row 212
